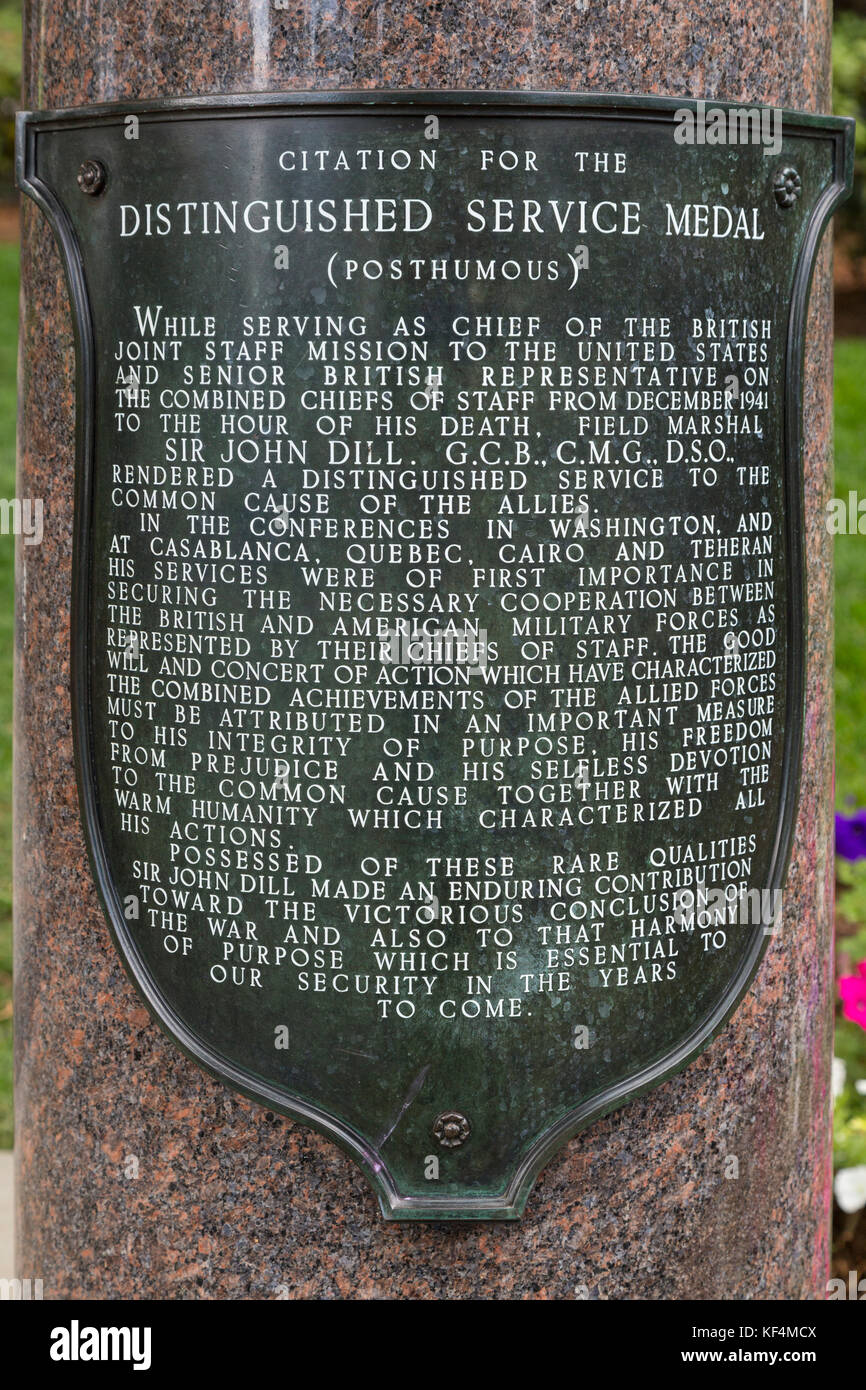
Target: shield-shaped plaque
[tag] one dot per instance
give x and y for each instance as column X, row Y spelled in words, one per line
column 438, row 592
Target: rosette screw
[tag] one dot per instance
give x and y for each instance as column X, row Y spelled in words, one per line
column 92, row 177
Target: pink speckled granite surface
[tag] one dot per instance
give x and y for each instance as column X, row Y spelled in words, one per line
column 231, row 1201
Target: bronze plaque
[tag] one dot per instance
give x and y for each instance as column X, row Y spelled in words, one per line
column 438, row 612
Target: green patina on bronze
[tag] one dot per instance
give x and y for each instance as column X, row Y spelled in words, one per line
column 489, row 1098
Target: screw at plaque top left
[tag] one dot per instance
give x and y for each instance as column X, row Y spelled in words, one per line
column 92, row 177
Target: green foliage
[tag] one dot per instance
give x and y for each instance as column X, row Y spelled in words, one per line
column 851, row 905
column 10, row 91
column 850, row 560
column 849, row 99
column 849, row 1117
column 850, row 557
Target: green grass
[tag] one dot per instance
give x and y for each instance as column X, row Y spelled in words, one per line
column 8, row 350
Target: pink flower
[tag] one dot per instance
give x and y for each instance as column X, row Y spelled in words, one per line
column 853, row 991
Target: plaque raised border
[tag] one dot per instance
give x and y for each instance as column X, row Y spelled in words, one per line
column 642, row 110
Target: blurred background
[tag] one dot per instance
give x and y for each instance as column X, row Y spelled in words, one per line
column 849, row 1073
